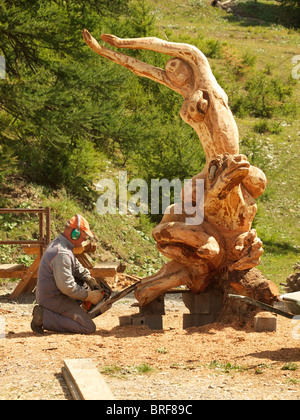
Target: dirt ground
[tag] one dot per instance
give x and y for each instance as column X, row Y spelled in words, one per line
column 217, row 361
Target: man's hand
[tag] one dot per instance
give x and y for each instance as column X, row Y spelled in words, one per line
column 94, row 296
column 91, row 282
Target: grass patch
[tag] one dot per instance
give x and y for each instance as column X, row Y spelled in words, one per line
column 261, row 367
column 226, row 367
column 290, row 366
column 123, row 372
column 161, row 350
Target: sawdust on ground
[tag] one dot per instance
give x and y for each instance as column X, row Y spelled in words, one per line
column 217, row 361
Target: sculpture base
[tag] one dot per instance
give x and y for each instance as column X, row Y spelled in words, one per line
column 213, row 305
column 204, row 308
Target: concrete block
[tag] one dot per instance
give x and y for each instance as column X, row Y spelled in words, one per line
column 203, row 303
column 156, row 307
column 265, row 322
column 124, row 320
column 197, row 303
column 216, row 302
column 155, row 322
column 197, row 320
column 137, row 320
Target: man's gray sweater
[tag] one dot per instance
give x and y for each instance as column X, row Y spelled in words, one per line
column 57, row 271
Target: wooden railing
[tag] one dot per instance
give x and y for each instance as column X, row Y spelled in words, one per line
column 28, row 275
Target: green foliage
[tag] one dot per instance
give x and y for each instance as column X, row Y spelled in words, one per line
column 161, row 350
column 290, row 366
column 7, row 162
column 137, row 22
column 264, row 126
column 264, row 97
column 52, row 101
column 237, row 65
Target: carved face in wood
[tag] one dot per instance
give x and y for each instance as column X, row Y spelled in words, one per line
column 228, row 205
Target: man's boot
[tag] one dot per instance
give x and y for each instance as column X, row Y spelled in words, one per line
column 37, row 320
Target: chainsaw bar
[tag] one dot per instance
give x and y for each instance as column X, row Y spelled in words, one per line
column 262, row 305
column 105, row 305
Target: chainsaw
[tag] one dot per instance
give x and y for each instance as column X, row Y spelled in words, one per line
column 104, row 288
column 106, row 303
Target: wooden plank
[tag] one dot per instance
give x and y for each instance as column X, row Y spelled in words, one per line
column 12, row 271
column 71, row 385
column 107, row 269
column 85, row 381
column 12, row 267
column 31, row 250
column 85, row 247
column 83, row 259
column 12, row 274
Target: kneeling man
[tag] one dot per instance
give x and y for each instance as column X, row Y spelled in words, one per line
column 60, row 285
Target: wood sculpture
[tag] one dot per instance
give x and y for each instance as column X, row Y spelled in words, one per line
column 224, row 241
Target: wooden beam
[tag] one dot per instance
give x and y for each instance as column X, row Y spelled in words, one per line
column 107, row 269
column 28, row 282
column 85, row 381
column 10, row 271
column 31, row 250
column 12, row 267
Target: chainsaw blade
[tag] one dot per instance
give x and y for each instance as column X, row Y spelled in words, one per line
column 106, row 304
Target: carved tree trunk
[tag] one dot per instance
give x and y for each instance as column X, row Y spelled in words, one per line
column 224, row 240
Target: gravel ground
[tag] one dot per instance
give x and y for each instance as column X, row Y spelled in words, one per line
column 217, row 361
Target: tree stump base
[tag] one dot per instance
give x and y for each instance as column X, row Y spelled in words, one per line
column 250, row 283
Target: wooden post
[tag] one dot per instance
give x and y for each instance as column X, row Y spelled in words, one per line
column 28, row 281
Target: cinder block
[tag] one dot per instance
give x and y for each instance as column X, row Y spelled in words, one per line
column 197, row 320
column 156, row 307
column 265, row 323
column 203, row 303
column 124, row 320
column 197, row 303
column 137, row 320
column 155, row 322
column 216, row 302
